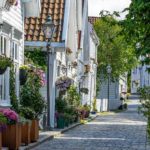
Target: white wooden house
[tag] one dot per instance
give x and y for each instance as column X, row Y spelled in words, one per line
column 116, row 91
column 12, row 43
column 140, row 77
column 90, row 65
column 69, row 42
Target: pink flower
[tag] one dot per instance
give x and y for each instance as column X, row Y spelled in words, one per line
column 10, row 114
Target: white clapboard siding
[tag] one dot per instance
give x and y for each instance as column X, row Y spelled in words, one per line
column 14, row 17
column 114, row 100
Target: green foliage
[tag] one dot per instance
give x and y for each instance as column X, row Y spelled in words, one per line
column 3, row 119
column 13, row 96
column 60, row 105
column 30, row 95
column 113, row 49
column 145, row 104
column 137, row 28
column 27, row 113
column 37, row 57
column 5, row 62
column 73, row 97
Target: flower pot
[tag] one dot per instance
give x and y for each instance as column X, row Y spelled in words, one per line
column 25, row 133
column 2, row 71
column 22, row 76
column 60, row 122
column 34, row 130
column 11, row 137
column 93, row 112
column 0, row 140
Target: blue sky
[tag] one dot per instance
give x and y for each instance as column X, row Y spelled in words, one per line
column 95, row 6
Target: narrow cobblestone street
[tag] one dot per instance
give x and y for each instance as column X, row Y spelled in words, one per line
column 116, row 131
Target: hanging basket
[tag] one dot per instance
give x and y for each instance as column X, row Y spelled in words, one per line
column 2, row 70
column 23, row 76
column 4, row 63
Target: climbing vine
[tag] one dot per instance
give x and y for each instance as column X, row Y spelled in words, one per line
column 13, row 96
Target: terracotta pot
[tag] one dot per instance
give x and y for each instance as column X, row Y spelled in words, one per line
column 25, row 133
column 0, row 141
column 11, row 137
column 34, row 134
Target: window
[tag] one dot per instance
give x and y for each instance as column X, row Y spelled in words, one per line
column 2, row 87
column 3, row 45
column 58, row 68
column 4, row 82
column 15, row 51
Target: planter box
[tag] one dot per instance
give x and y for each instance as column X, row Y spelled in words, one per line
column 0, row 141
column 34, row 133
column 25, row 133
column 11, row 137
column 60, row 122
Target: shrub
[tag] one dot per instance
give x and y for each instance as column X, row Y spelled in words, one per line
column 30, row 94
column 61, row 105
column 145, row 105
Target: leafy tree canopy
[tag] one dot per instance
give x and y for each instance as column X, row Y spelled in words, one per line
column 113, row 48
column 137, row 27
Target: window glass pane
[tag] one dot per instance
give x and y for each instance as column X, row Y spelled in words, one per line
column 13, row 50
column 1, row 45
column 5, row 42
column 16, row 51
column 2, row 87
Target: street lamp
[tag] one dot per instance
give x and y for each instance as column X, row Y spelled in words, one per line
column 109, row 69
column 48, row 29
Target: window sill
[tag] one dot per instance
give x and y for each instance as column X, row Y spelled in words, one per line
column 5, row 103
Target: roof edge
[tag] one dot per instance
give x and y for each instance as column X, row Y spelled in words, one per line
column 44, row 44
column 66, row 21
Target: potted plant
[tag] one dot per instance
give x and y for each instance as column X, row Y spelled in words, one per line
column 26, row 128
column 13, row 2
column 60, row 108
column 60, row 121
column 31, row 98
column 87, row 68
column 23, row 73
column 68, row 51
column 11, row 137
column 4, row 63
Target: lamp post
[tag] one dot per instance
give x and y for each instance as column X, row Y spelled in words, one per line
column 109, row 69
column 48, row 29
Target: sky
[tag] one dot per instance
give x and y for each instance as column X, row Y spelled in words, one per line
column 95, row 6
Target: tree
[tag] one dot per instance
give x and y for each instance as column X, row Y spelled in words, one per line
column 113, row 48
column 137, row 28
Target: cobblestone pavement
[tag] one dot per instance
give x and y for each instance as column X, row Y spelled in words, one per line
column 115, row 131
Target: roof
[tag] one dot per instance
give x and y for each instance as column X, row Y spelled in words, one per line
column 33, row 25
column 92, row 20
